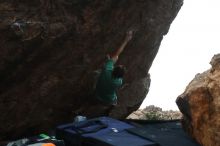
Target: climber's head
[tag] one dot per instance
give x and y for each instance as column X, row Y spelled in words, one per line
column 118, row 71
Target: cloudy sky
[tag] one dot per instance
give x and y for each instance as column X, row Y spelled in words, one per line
column 186, row 50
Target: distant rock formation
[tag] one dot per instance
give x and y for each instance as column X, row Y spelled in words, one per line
column 50, row 50
column 200, row 105
column 155, row 113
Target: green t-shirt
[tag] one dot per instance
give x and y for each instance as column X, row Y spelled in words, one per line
column 107, row 85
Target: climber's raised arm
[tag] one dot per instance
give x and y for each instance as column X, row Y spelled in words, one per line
column 118, row 51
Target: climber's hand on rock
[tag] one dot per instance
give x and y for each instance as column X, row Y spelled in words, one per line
column 129, row 35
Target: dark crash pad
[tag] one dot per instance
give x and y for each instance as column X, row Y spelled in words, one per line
column 162, row 133
column 165, row 133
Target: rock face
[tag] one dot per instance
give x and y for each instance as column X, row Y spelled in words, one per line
column 50, row 50
column 200, row 105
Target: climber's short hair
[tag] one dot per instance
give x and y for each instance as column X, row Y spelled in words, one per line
column 118, row 71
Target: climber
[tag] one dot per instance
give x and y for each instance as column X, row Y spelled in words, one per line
column 110, row 78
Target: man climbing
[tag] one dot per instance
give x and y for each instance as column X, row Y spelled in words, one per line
column 110, row 78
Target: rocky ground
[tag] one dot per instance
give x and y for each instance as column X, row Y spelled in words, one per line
column 155, row 113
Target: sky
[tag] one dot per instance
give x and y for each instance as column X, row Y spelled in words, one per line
column 186, row 50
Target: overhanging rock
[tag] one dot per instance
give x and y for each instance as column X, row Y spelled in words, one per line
column 50, row 50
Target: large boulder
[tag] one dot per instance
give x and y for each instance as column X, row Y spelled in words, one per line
column 50, row 51
column 200, row 105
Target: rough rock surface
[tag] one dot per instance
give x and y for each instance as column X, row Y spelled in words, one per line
column 200, row 105
column 49, row 50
